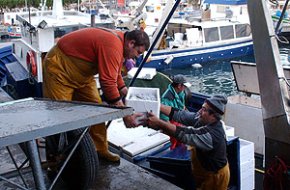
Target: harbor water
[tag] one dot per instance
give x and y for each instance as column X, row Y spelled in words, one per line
column 217, row 77
column 214, row 77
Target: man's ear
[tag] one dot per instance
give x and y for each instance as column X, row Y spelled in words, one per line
column 132, row 43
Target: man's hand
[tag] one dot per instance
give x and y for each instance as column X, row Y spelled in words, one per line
column 165, row 109
column 134, row 120
column 124, row 92
column 153, row 122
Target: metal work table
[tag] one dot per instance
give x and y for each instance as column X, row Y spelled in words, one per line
column 28, row 119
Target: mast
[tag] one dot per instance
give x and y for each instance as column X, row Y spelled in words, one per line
column 272, row 84
column 43, row 6
column 57, row 9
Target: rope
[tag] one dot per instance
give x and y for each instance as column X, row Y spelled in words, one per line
column 286, row 80
column 274, row 2
column 276, row 175
column 282, row 39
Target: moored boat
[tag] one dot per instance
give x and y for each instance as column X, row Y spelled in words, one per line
column 202, row 35
column 14, row 31
column 205, row 41
column 265, row 103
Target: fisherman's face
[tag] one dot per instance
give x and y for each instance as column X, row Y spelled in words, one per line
column 206, row 115
column 131, row 51
column 180, row 88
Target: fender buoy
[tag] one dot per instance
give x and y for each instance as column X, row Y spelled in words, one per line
column 31, row 63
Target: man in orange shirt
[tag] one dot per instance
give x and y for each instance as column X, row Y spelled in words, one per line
column 69, row 69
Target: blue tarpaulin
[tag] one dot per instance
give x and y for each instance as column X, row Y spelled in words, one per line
column 227, row 2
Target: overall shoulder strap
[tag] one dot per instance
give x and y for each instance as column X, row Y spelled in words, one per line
column 113, row 32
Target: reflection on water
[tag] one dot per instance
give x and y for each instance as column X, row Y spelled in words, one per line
column 217, row 77
column 212, row 78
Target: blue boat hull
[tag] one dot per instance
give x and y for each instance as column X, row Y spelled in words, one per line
column 188, row 57
column 14, row 79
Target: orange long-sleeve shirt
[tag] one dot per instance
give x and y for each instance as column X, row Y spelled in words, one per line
column 104, row 51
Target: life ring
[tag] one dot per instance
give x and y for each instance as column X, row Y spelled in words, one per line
column 31, row 63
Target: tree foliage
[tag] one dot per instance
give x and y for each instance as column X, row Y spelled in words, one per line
column 10, row 4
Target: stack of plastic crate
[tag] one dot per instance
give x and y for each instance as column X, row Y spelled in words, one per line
column 247, row 165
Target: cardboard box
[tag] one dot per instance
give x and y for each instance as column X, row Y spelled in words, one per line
column 144, row 99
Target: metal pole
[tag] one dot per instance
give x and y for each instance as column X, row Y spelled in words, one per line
column 35, row 164
column 154, row 42
column 69, row 156
column 93, row 18
column 281, row 16
column 78, row 5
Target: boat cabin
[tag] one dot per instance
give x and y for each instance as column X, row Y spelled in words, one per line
column 40, row 31
column 208, row 32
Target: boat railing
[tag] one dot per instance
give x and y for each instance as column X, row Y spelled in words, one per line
column 234, row 18
column 3, row 29
column 199, row 19
column 49, row 13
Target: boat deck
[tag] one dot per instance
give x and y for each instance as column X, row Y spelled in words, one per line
column 124, row 175
column 120, row 176
column 116, row 176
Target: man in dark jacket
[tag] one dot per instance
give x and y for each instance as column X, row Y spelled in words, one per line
column 205, row 133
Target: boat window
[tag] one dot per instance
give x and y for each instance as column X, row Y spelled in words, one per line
column 211, row 34
column 60, row 31
column 242, row 30
column 221, row 9
column 176, row 28
column 149, row 9
column 227, row 32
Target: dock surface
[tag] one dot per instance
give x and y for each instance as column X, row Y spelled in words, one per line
column 129, row 176
column 124, row 175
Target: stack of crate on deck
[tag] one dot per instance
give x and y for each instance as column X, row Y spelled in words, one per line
column 136, row 143
column 247, row 165
column 144, row 100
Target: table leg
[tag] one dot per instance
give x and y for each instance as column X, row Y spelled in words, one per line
column 35, row 164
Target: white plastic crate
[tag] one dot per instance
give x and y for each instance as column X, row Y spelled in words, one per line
column 145, row 73
column 246, row 151
column 247, row 175
column 247, row 165
column 131, row 140
column 230, row 131
column 144, row 99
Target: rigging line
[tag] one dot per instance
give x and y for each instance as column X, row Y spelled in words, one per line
column 286, row 80
column 109, row 13
column 281, row 16
column 282, row 39
column 260, row 171
column 164, row 24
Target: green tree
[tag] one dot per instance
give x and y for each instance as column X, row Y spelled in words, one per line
column 32, row 3
column 49, row 3
column 67, row 2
